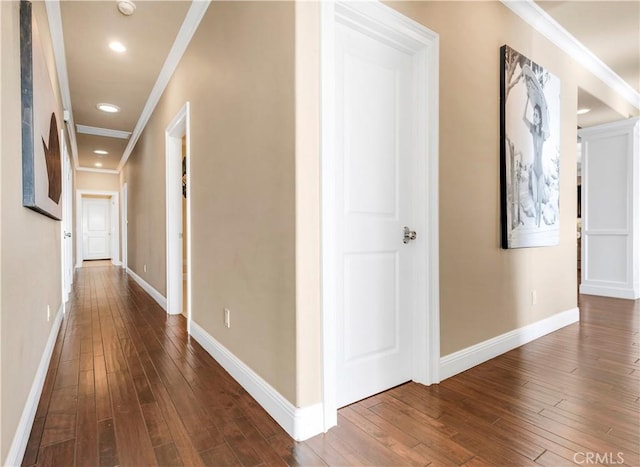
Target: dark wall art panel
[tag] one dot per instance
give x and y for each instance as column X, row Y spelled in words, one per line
column 41, row 161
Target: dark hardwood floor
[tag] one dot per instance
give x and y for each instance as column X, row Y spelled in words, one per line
column 126, row 386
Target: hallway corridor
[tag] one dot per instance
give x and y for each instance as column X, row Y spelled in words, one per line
column 127, row 387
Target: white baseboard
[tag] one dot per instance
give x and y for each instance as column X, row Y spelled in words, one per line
column 606, row 291
column 157, row 296
column 299, row 423
column 464, row 359
column 20, row 439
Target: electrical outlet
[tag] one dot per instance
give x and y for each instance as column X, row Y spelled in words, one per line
column 144, row 268
column 534, row 297
column 227, row 317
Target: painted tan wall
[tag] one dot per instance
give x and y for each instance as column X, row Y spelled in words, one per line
column 97, row 181
column 30, row 262
column 486, row 291
column 238, row 76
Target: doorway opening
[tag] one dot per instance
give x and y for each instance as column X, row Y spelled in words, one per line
column 98, row 226
column 178, row 164
column 67, row 220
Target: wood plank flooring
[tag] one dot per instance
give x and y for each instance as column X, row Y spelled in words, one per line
column 127, row 386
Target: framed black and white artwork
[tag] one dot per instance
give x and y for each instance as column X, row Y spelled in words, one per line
column 41, row 161
column 529, row 152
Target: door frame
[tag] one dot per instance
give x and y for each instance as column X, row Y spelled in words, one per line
column 384, row 22
column 114, row 227
column 179, row 127
column 125, row 227
column 66, row 226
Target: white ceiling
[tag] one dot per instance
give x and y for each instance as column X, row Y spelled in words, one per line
column 610, row 29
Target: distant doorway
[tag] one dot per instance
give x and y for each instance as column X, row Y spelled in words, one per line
column 98, row 226
column 178, row 205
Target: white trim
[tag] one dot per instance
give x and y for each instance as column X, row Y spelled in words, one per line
column 115, row 224
column 157, row 296
column 187, row 30
column 124, row 212
column 628, row 292
column 542, row 22
column 464, row 359
column 94, row 130
column 299, row 423
column 57, row 40
column 176, row 130
column 21, row 437
column 413, row 37
column 100, row 171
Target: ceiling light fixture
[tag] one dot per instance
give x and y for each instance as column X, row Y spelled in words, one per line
column 126, row 7
column 109, row 108
column 98, row 164
column 101, row 152
column 583, row 111
column 117, row 47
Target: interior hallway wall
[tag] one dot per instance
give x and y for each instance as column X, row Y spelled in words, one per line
column 238, row 76
column 96, row 181
column 30, row 263
column 486, row 291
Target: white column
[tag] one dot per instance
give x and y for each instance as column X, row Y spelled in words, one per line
column 611, row 209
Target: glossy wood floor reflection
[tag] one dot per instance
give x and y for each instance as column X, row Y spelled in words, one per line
column 126, row 386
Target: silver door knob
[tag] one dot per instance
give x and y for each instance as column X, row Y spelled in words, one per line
column 67, row 234
column 408, row 235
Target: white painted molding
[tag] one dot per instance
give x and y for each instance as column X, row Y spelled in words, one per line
column 21, row 437
column 101, row 171
column 57, row 40
column 542, row 22
column 157, row 296
column 299, row 423
column 629, row 293
column 464, row 359
column 94, row 130
column 187, row 30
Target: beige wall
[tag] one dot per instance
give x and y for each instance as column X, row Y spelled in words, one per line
column 30, row 261
column 96, row 181
column 484, row 290
column 238, row 76
column 256, row 195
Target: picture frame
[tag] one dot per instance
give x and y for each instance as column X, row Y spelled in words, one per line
column 41, row 151
column 529, row 152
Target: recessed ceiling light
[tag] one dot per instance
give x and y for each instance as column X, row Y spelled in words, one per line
column 109, row 108
column 98, row 164
column 101, row 152
column 117, row 47
column 583, row 111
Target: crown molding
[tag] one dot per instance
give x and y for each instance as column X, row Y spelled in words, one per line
column 93, row 130
column 57, row 39
column 195, row 14
column 101, row 171
column 542, row 22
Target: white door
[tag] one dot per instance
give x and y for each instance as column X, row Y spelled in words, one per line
column 96, row 214
column 376, row 158
column 67, row 222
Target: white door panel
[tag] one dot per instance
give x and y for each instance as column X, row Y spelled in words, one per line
column 96, row 214
column 374, row 121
